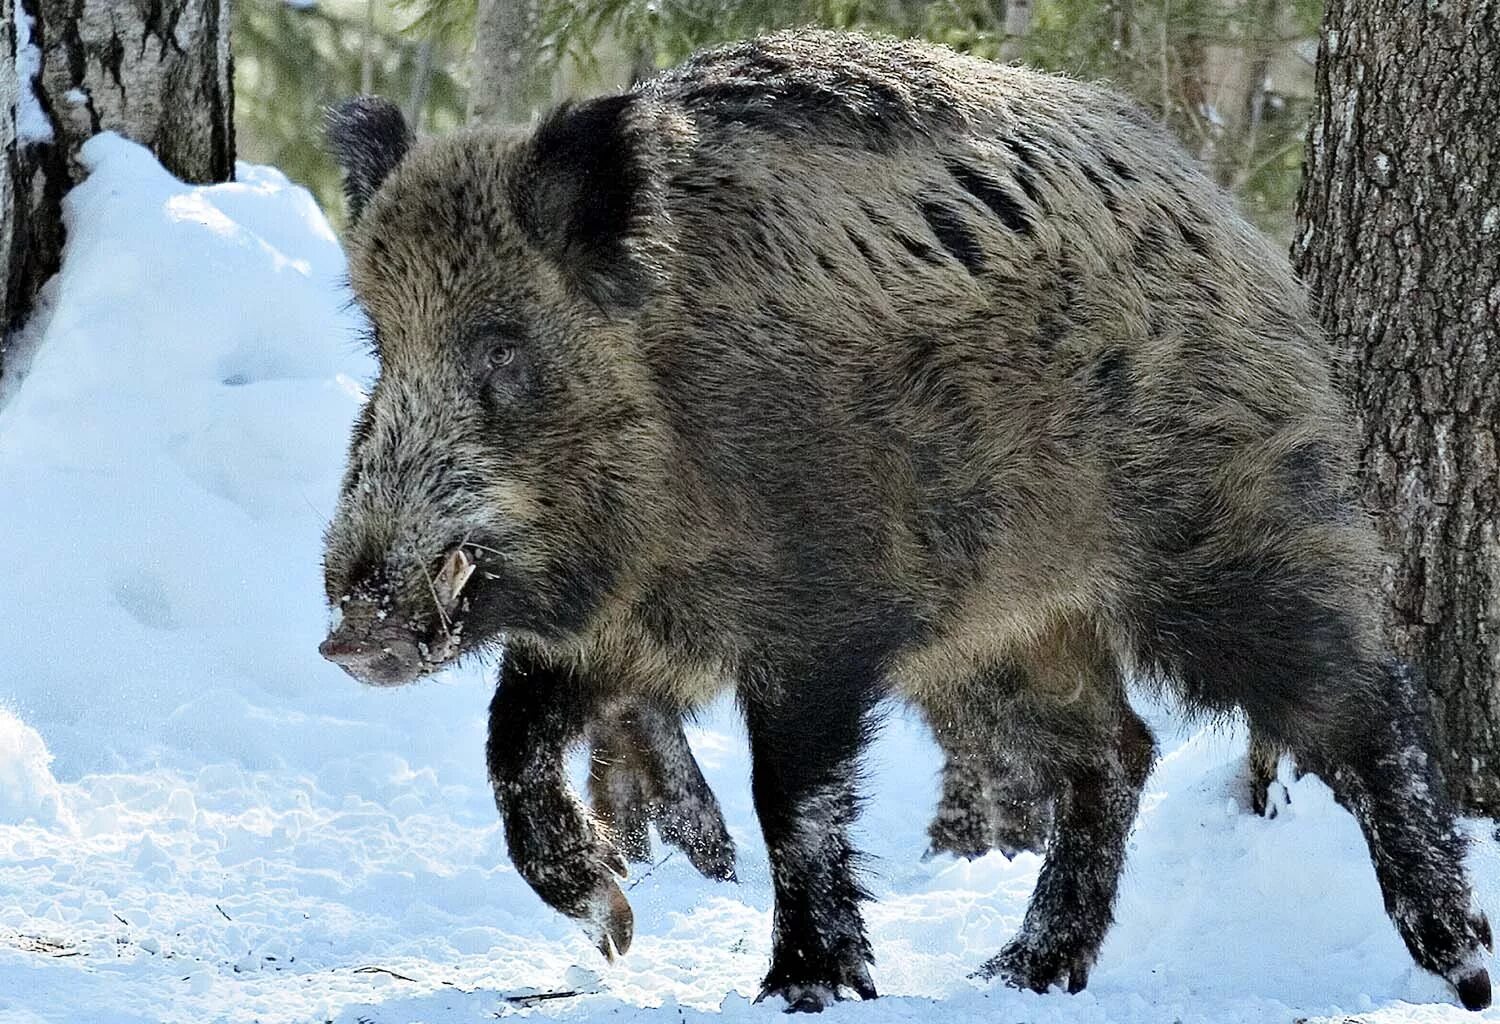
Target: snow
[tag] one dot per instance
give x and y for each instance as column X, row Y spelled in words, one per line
column 28, row 792
column 202, row 821
column 32, row 123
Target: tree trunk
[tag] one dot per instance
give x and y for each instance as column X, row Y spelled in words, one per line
column 1399, row 240
column 1258, row 49
column 8, row 157
column 1122, row 27
column 1017, row 28
column 159, row 73
column 510, row 84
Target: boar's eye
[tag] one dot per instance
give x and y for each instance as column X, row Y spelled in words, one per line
column 501, row 355
column 502, row 366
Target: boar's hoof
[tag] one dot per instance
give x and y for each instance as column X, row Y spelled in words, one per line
column 1453, row 946
column 803, row 998
column 609, row 922
column 1473, row 989
column 707, row 845
column 714, row 859
column 1470, row 979
column 1009, row 838
column 1027, row 964
column 1013, row 844
column 960, row 829
column 814, row 997
column 964, row 847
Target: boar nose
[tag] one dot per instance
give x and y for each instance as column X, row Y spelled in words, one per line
column 384, row 662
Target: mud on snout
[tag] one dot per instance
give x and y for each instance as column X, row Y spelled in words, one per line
column 381, row 644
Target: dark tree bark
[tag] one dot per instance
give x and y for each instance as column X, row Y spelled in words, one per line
column 1399, row 240
column 159, row 73
column 8, row 156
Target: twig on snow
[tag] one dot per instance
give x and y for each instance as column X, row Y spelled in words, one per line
column 530, row 998
column 383, row 970
column 649, row 871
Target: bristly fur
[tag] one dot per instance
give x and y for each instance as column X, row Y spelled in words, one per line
column 824, row 368
column 368, row 137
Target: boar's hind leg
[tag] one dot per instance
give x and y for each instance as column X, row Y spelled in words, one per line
column 1098, row 754
column 964, row 823
column 1382, row 767
column 642, row 770
column 537, row 713
column 803, row 770
column 988, row 802
column 1261, row 765
column 1281, row 634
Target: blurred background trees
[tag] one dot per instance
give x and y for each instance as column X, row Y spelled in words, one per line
column 1234, row 78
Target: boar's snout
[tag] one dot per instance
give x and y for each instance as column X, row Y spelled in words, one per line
column 377, row 660
column 378, row 643
column 370, row 644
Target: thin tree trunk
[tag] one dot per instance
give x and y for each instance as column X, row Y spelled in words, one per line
column 159, row 73
column 1017, row 28
column 421, row 83
column 510, row 84
column 1122, row 26
column 367, row 50
column 642, row 60
column 1262, row 20
column 1399, row 239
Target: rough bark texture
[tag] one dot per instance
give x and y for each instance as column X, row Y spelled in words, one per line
column 509, row 83
column 8, row 156
column 1399, row 239
column 156, row 71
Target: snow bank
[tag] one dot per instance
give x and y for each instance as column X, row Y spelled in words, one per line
column 28, row 792
column 232, row 830
column 167, row 459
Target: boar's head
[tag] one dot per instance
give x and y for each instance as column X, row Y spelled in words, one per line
column 502, row 473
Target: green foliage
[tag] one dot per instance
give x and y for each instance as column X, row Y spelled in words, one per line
column 672, row 29
column 292, row 62
column 1167, row 54
column 448, row 21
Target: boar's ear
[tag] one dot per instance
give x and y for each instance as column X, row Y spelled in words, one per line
column 586, row 191
column 368, row 137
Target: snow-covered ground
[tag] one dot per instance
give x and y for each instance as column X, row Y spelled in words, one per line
column 202, row 821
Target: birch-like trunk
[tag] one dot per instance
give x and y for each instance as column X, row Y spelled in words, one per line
column 159, row 73
column 1399, row 240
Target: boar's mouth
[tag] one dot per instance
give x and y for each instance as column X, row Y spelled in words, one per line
column 379, row 648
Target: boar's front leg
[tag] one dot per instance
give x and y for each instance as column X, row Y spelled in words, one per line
column 537, row 713
column 803, row 767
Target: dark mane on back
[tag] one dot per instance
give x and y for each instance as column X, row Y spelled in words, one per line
column 861, row 92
